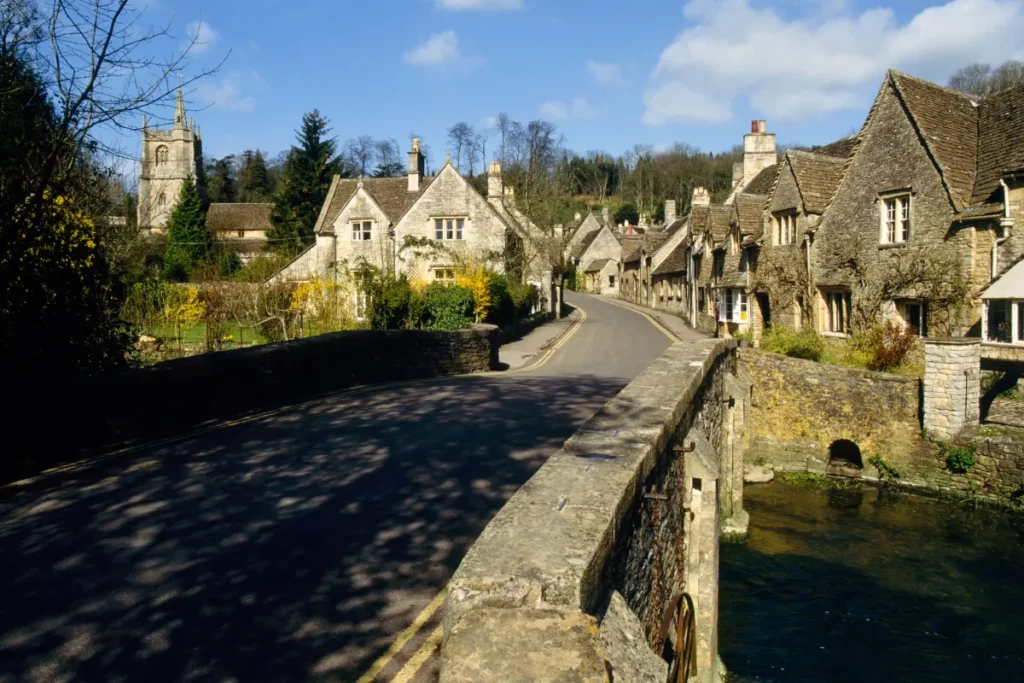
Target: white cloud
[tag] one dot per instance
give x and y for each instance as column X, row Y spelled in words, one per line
column 578, row 108
column 227, row 93
column 489, row 122
column 607, row 74
column 201, row 35
column 827, row 61
column 487, row 5
column 439, row 49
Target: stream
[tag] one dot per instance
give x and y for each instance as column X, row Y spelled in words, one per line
column 865, row 584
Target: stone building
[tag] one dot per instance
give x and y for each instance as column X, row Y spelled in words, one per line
column 422, row 226
column 168, row 158
column 598, row 256
column 240, row 227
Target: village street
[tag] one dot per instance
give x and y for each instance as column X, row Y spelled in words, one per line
column 296, row 546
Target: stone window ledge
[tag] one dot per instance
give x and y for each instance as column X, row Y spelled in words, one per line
column 892, row 245
column 837, row 335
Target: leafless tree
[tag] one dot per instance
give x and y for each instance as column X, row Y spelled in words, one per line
column 982, row 80
column 460, row 137
column 387, row 152
column 360, row 152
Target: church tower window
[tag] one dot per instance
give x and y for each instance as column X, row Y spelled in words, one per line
column 161, row 200
column 162, row 155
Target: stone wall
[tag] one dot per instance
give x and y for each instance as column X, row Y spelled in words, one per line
column 952, row 385
column 800, row 408
column 176, row 395
column 605, row 514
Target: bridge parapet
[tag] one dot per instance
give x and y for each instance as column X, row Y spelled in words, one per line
column 628, row 506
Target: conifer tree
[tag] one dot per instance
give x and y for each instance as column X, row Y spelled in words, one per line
column 188, row 239
column 306, row 179
column 254, row 181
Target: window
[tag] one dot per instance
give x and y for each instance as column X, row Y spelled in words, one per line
column 611, row 280
column 446, row 276
column 162, row 155
column 835, row 317
column 733, row 306
column 785, row 228
column 700, row 299
column 240, row 233
column 362, row 231
column 718, row 266
column 1003, row 321
column 449, row 228
column 895, row 219
column 914, row 314
column 161, row 201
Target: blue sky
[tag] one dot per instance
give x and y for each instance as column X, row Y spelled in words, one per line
column 610, row 73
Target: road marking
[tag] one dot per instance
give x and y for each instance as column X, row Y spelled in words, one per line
column 246, row 419
column 404, row 639
column 416, row 662
column 668, row 333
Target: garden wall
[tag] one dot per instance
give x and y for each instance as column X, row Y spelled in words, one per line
column 176, row 395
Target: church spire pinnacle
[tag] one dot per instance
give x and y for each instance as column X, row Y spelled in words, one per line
column 179, row 111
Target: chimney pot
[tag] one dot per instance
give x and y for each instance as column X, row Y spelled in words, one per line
column 760, row 126
column 753, row 126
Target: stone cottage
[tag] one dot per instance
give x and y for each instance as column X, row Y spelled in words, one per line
column 424, row 227
column 241, row 228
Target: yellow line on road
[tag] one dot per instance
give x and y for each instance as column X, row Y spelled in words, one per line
column 668, row 333
column 551, row 352
column 416, row 662
column 407, row 635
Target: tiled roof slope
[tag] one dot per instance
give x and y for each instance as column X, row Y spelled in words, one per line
column 631, row 249
column 817, row 176
column 948, row 123
column 764, row 181
column 391, row 194
column 721, row 221
column 1001, row 140
column 674, row 262
column 585, row 243
column 232, row 217
column 596, row 266
column 749, row 208
column 840, row 149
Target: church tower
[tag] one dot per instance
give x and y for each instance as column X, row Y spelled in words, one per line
column 168, row 157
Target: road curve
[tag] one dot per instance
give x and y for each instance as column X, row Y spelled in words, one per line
column 298, row 546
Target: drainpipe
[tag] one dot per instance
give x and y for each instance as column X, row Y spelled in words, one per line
column 1004, row 228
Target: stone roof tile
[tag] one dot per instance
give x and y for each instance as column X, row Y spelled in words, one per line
column 391, row 194
column 817, row 177
column 674, row 262
column 1001, row 140
column 223, row 217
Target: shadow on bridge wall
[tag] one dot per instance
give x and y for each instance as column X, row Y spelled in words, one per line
column 288, row 548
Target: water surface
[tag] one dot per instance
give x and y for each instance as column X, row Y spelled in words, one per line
column 867, row 585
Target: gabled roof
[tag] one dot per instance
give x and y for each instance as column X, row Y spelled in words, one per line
column 675, row 262
column 749, row 208
column 1000, row 140
column 840, row 149
column 673, row 227
column 947, row 123
column 222, row 217
column 597, row 266
column 585, row 243
column 632, row 248
column 764, row 181
column 391, row 194
column 721, row 219
column 817, row 177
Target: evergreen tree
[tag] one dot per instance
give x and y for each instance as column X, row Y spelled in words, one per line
column 220, row 180
column 254, row 185
column 188, row 239
column 306, row 180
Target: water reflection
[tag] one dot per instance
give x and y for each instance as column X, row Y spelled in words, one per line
column 865, row 585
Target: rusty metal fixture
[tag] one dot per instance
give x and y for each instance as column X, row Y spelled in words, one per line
column 680, row 611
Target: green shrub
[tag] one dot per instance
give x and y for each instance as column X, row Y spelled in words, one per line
column 229, row 263
column 501, row 310
column 448, row 308
column 388, row 302
column 805, row 344
column 960, row 459
column 524, row 297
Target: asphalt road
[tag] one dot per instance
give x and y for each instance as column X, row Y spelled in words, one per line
column 298, row 546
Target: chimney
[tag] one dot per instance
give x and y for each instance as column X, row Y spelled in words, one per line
column 495, row 189
column 415, row 166
column 670, row 211
column 578, row 215
column 701, row 197
column 759, row 151
column 737, row 174
column 606, row 216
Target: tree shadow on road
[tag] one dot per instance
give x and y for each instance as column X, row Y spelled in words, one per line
column 289, row 548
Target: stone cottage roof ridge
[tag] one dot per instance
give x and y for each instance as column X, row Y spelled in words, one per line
column 1000, row 140
column 391, row 194
column 817, row 177
column 230, row 217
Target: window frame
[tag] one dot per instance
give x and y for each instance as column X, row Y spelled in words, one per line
column 903, row 313
column 362, row 229
column 447, row 277
column 895, row 231
column 163, row 155
column 449, row 228
column 734, row 305
column 829, row 297
column 785, row 223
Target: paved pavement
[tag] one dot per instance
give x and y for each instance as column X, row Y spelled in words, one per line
column 309, row 544
column 674, row 323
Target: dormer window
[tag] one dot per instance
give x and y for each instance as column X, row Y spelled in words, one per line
column 362, row 231
column 162, row 155
column 895, row 219
column 785, row 228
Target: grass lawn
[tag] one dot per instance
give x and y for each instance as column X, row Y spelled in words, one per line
column 197, row 334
